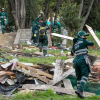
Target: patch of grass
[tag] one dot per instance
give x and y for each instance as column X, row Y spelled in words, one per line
column 30, row 51
column 49, row 95
column 34, row 60
column 54, row 52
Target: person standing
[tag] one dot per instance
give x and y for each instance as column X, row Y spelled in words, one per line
column 56, row 28
column 3, row 17
column 81, row 61
column 35, row 34
column 43, row 39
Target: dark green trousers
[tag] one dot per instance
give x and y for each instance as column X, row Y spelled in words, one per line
column 43, row 42
column 2, row 24
column 82, row 71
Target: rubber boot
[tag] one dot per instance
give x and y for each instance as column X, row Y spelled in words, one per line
column 44, row 52
column 79, row 94
column 40, row 49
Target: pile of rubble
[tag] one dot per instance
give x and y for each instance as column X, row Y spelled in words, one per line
column 17, row 75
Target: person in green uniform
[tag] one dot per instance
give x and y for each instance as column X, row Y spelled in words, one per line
column 81, row 61
column 56, row 28
column 43, row 39
column 3, row 17
column 35, row 34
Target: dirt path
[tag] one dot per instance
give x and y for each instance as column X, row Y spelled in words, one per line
column 7, row 39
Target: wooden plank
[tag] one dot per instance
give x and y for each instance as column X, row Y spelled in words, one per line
column 54, row 88
column 32, row 72
column 39, row 77
column 63, row 76
column 93, row 34
column 35, row 70
column 44, row 65
column 45, row 87
column 67, row 84
column 17, row 37
column 59, row 69
column 62, row 36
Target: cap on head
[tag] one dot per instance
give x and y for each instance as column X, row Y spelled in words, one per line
column 41, row 19
column 55, row 21
column 81, row 33
column 3, row 8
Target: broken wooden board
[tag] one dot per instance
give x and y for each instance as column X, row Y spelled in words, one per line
column 59, row 69
column 93, row 34
column 54, row 88
column 62, row 36
column 44, row 65
column 67, row 84
column 36, row 70
column 2, row 73
column 63, row 76
column 44, row 79
column 32, row 72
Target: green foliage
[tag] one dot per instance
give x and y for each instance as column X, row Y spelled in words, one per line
column 69, row 16
column 23, row 96
column 94, row 17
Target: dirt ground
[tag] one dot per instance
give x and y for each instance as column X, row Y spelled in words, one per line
column 7, row 39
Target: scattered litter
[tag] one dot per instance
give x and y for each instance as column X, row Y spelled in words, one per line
column 49, row 55
column 29, row 43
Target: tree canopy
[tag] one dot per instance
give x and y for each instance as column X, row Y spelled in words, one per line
column 73, row 14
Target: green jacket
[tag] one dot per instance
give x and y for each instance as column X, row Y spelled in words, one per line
column 35, row 29
column 56, row 28
column 80, row 46
column 3, row 15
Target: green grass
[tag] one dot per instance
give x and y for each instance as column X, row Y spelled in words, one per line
column 48, row 95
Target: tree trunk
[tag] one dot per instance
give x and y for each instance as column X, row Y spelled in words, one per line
column 81, row 7
column 86, row 17
column 47, row 9
column 23, row 14
column 19, row 13
column 57, row 8
column 42, row 5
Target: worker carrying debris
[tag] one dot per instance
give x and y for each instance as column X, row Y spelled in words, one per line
column 56, row 28
column 3, row 18
column 81, row 61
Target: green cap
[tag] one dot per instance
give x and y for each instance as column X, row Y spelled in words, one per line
column 81, row 33
column 40, row 18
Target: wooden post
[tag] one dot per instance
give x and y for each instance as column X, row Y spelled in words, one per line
column 58, row 70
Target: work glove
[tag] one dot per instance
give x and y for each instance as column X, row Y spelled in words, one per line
column 39, row 15
column 34, row 35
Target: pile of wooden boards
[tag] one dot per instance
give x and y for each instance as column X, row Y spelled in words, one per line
column 56, row 81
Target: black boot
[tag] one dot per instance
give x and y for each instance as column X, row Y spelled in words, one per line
column 2, row 32
column 40, row 49
column 79, row 94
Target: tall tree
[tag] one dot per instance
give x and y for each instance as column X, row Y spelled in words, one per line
column 47, row 9
column 19, row 12
column 57, row 8
column 88, row 12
